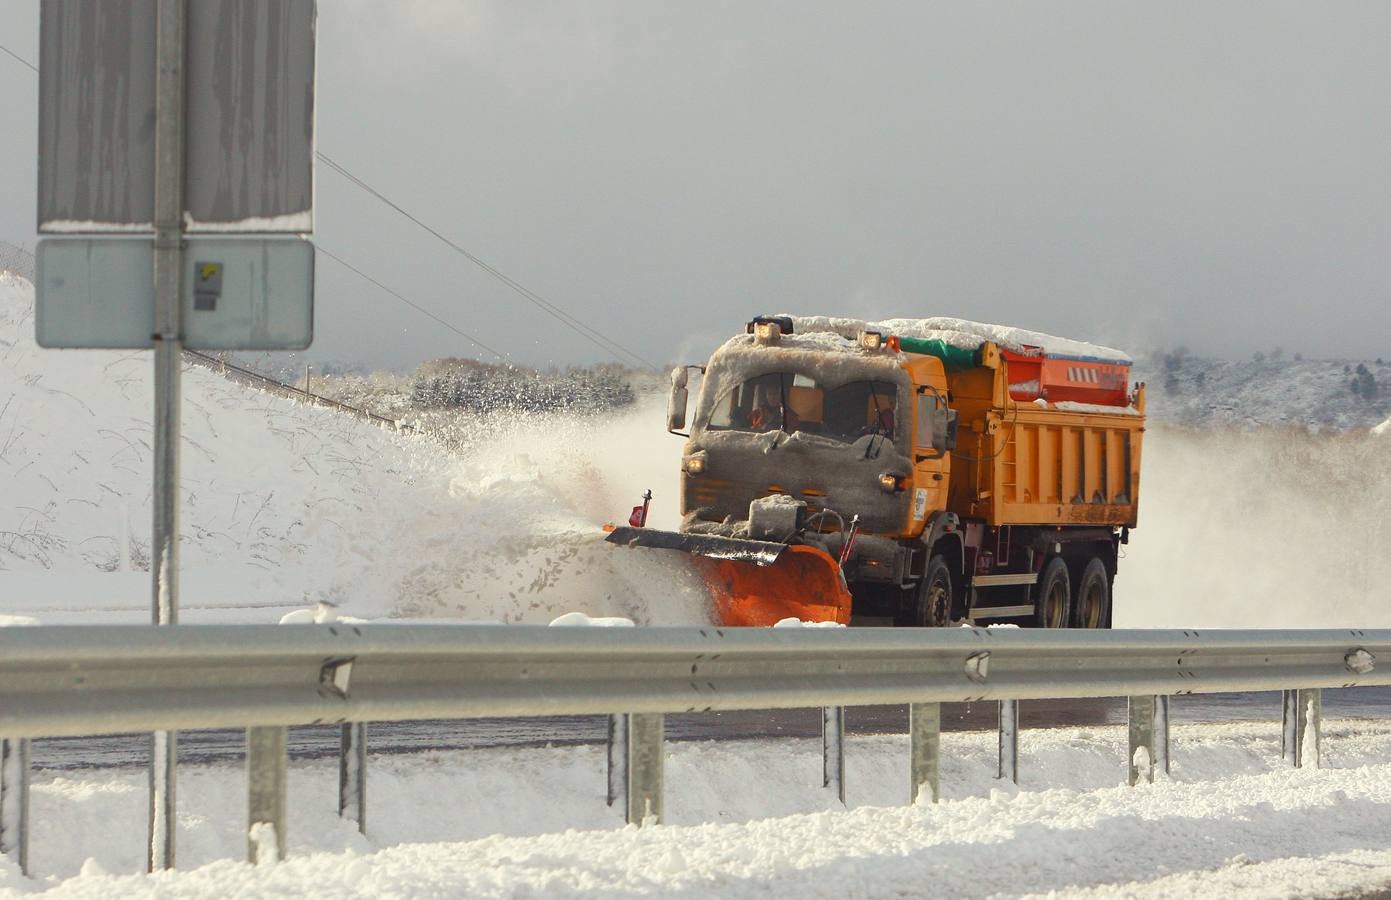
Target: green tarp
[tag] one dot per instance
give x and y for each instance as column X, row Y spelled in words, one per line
column 954, row 359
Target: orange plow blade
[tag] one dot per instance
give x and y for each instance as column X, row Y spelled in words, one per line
column 805, row 583
column 755, row 582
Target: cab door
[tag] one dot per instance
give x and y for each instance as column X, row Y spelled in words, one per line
column 931, row 467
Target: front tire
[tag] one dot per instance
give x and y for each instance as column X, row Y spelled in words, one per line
column 1053, row 596
column 934, row 595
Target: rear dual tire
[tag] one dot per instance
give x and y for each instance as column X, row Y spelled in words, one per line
column 1091, row 604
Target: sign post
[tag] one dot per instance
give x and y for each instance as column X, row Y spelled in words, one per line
column 167, row 335
column 229, row 86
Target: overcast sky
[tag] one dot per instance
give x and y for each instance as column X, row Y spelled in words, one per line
column 1213, row 174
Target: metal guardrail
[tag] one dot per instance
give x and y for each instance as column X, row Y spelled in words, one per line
column 289, row 390
column 58, row 681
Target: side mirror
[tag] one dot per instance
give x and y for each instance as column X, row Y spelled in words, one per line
column 677, row 402
column 943, row 430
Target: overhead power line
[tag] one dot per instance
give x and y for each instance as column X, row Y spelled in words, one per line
column 18, row 57
column 591, row 334
column 464, row 334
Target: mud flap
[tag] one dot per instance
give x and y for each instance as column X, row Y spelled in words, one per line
column 756, row 582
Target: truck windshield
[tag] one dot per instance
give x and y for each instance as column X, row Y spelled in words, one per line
column 790, row 402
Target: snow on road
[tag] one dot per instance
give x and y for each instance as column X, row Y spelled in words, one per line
column 506, row 822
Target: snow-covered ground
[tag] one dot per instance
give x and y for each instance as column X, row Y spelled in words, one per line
column 1231, row 820
column 1282, row 391
column 286, row 504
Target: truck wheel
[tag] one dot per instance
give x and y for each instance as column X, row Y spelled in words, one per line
column 1053, row 596
column 1091, row 607
column 934, row 594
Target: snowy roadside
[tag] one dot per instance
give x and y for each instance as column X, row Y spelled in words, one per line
column 285, row 505
column 511, row 822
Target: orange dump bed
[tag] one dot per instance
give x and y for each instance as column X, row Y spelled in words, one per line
column 1020, row 460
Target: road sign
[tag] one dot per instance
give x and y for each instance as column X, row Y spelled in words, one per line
column 167, row 117
column 249, row 128
column 236, row 293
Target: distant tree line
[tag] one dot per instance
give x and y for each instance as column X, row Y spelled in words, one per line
column 1363, row 383
column 478, row 387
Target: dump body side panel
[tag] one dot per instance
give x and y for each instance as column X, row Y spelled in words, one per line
column 1033, row 464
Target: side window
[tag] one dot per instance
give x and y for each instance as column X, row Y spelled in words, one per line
column 927, row 405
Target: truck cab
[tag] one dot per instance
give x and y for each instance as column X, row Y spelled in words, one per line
column 821, row 474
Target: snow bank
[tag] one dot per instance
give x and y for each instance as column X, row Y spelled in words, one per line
column 501, row 822
column 1383, row 428
column 960, row 333
column 285, row 505
column 794, row 622
column 582, row 620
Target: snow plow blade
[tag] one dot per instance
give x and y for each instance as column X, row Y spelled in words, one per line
column 756, row 582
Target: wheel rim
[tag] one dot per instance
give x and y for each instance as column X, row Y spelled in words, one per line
column 938, row 596
column 1091, row 599
column 1055, row 604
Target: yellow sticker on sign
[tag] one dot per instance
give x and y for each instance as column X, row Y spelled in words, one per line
column 209, row 270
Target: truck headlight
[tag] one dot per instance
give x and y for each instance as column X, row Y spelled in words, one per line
column 871, row 340
column 888, row 483
column 694, row 465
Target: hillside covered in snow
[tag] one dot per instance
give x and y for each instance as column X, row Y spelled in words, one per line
column 286, row 505
column 1274, row 389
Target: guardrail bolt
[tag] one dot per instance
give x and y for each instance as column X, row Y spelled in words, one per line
column 1359, row 661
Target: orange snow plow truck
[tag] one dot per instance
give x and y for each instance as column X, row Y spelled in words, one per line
column 913, row 471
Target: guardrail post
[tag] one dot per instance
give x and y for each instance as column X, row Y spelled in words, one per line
column 617, row 758
column 266, row 776
column 352, row 774
column 924, row 748
column 14, row 801
column 1301, row 729
column 1009, row 740
column 164, row 757
column 1161, row 733
column 644, row 775
column 1148, row 718
column 833, row 750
